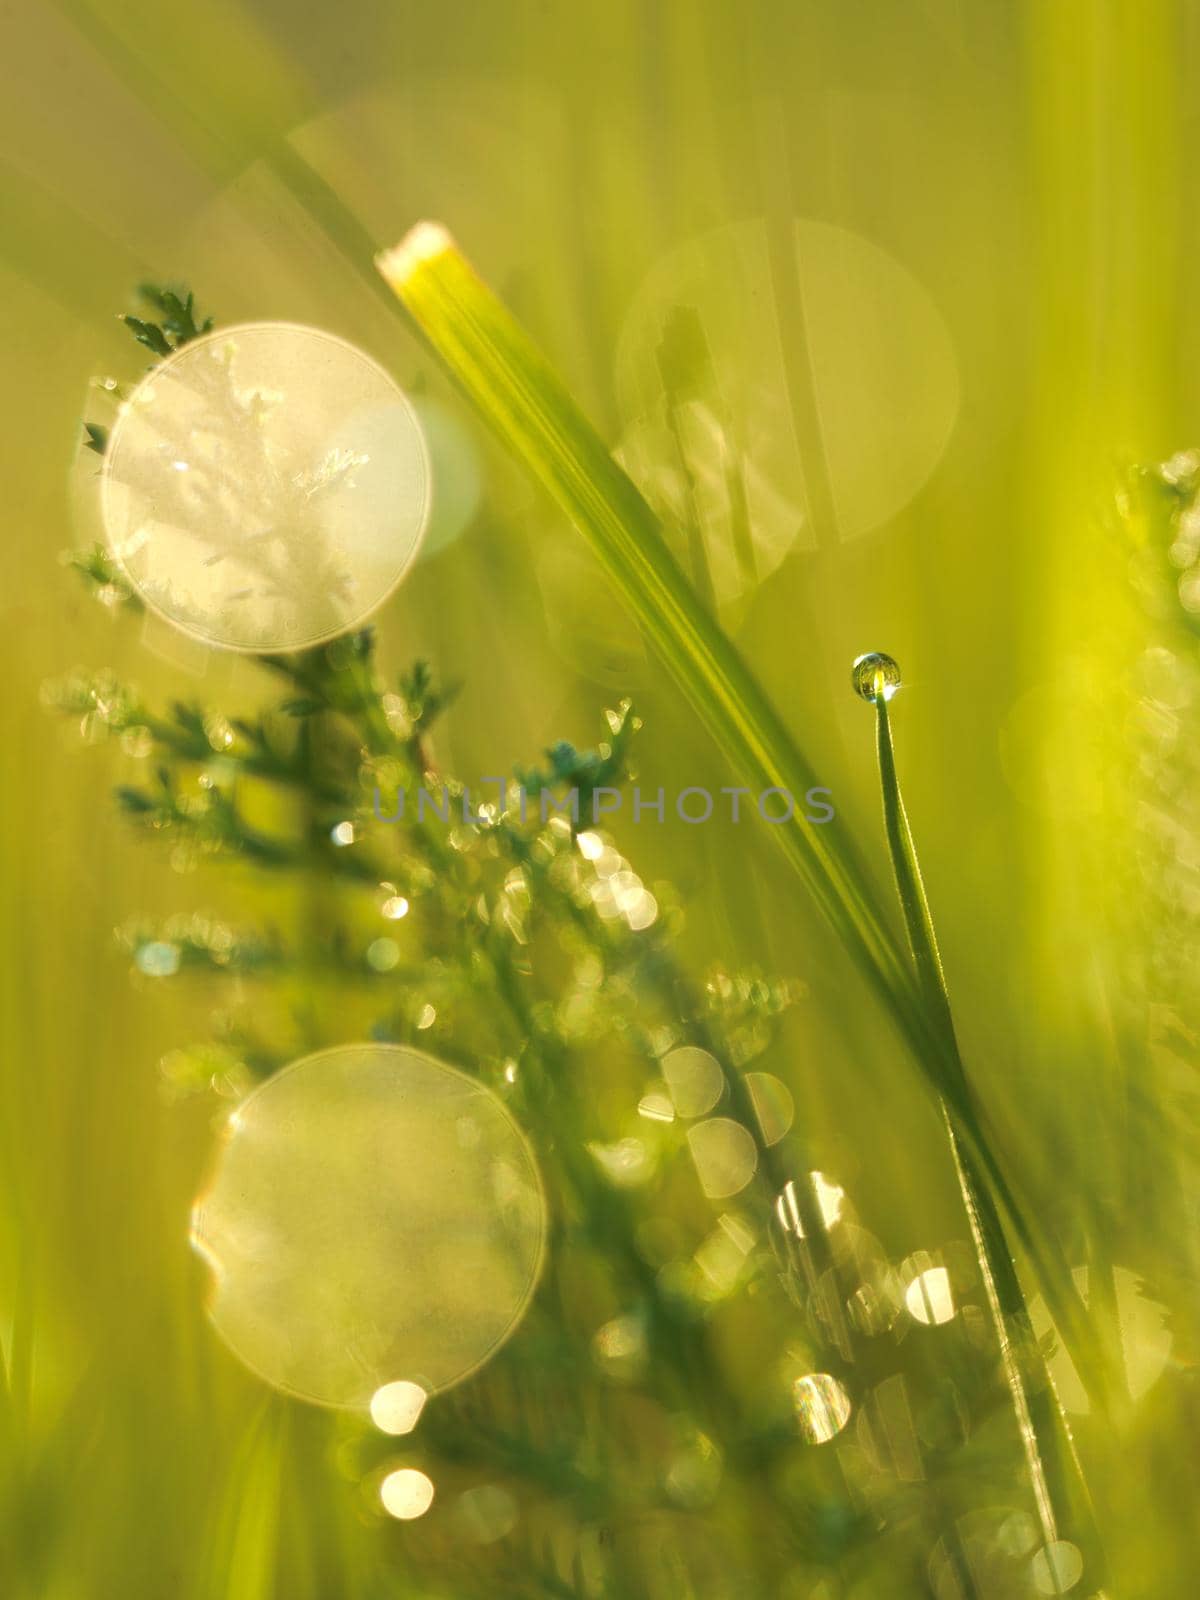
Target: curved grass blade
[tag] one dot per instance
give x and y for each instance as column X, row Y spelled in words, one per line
column 522, row 399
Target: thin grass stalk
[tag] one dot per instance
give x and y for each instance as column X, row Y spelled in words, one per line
column 523, row 400
column 519, row 395
column 1059, row 1489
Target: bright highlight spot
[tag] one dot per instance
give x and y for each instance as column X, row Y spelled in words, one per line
column 822, row 1406
column 656, row 1107
column 158, row 959
column 875, row 676
column 423, row 242
column 396, row 1407
column 929, row 1298
column 406, row 1494
column 831, row 1197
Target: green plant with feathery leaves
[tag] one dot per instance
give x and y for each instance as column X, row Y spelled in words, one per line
column 624, row 1451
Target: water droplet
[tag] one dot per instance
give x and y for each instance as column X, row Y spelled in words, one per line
column 424, row 1248
column 822, row 1406
column 875, row 674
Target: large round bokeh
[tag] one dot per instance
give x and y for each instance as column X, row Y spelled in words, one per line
column 374, row 1217
column 266, row 487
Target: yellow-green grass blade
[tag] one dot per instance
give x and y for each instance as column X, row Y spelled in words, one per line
column 1059, row 1489
column 523, row 400
column 525, row 403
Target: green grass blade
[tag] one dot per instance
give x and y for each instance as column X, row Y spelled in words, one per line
column 1059, row 1489
column 524, row 401
column 520, row 396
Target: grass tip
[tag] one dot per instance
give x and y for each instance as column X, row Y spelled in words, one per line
column 423, row 242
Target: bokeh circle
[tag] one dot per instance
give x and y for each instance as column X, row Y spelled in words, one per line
column 266, row 487
column 374, row 1217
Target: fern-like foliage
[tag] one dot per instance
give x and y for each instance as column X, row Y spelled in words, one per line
column 622, row 1444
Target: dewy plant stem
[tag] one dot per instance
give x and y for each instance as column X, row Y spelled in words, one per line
column 1059, row 1490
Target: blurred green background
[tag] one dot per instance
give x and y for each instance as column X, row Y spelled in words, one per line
column 985, row 317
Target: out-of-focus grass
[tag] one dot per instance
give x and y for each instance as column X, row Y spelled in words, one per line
column 1026, row 166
